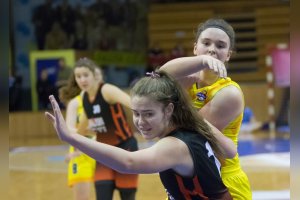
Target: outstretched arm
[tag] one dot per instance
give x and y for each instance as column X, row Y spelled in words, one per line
column 142, row 161
column 184, row 66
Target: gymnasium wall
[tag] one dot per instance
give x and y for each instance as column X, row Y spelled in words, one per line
column 26, row 126
column 259, row 25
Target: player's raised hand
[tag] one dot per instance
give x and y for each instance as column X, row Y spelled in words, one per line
column 57, row 120
column 214, row 64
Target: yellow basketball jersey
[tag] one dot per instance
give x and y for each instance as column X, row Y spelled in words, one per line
column 201, row 96
column 82, row 167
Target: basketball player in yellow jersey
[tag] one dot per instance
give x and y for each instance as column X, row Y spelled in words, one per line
column 220, row 101
column 81, row 168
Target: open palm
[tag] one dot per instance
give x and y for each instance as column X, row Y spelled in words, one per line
column 57, row 120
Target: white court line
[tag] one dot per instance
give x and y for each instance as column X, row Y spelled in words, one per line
column 271, row 195
column 265, row 160
column 37, row 148
column 37, row 169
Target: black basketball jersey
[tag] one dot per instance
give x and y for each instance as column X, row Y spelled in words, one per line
column 109, row 121
column 206, row 182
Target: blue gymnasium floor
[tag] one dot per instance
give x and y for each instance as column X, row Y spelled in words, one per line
column 249, row 147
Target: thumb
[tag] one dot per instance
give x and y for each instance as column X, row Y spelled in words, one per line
column 50, row 117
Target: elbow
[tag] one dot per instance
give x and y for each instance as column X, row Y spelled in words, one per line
column 231, row 153
column 230, row 149
column 127, row 167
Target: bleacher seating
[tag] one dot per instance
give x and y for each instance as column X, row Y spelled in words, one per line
column 257, row 24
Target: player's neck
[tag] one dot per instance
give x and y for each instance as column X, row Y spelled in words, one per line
column 93, row 92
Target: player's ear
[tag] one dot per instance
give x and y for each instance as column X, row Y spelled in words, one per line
column 228, row 55
column 169, row 110
column 195, row 48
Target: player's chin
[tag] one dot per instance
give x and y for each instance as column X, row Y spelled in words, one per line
column 147, row 135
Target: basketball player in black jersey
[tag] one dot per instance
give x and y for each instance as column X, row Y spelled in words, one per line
column 104, row 114
column 186, row 154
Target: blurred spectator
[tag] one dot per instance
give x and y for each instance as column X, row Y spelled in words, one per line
column 130, row 16
column 100, row 9
column 63, row 73
column 44, row 89
column 43, row 18
column 141, row 32
column 15, row 89
column 79, row 39
column 107, row 42
column 115, row 22
column 155, row 50
column 96, row 33
column 156, row 57
column 65, row 16
column 80, row 13
column 57, row 38
column 177, row 51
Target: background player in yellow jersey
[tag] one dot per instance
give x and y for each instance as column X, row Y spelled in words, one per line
column 219, row 100
column 81, row 167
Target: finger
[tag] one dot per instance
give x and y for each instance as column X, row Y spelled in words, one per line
column 50, row 117
column 218, row 68
column 53, row 102
column 211, row 64
column 56, row 110
column 221, row 70
column 215, row 67
column 55, row 106
column 225, row 72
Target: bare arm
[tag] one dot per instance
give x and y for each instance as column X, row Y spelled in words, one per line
column 221, row 110
column 227, row 144
column 113, row 94
column 184, row 66
column 185, row 69
column 71, row 117
column 71, row 114
column 143, row 161
column 83, row 126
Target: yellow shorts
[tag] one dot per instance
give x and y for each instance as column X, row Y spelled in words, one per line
column 80, row 169
column 238, row 186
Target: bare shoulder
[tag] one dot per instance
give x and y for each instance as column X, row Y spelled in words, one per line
column 108, row 88
column 231, row 93
column 172, row 143
column 230, row 100
column 113, row 94
column 109, row 85
column 181, row 156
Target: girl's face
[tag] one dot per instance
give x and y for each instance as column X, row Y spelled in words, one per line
column 150, row 117
column 84, row 77
column 214, row 42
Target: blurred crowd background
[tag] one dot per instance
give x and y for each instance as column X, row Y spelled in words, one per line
column 128, row 37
